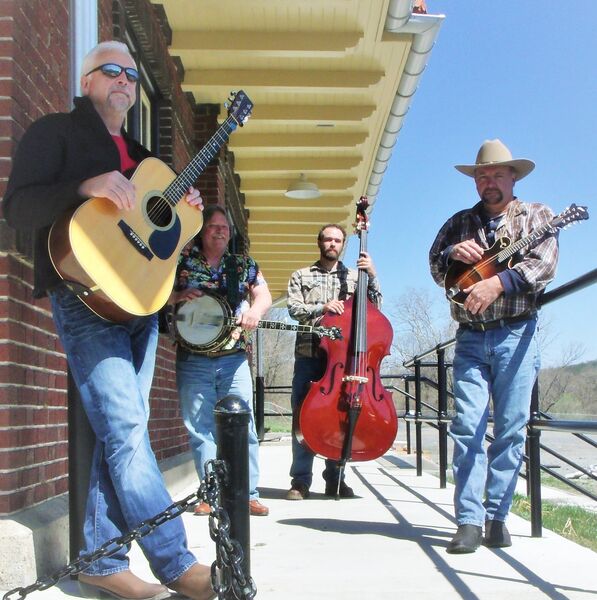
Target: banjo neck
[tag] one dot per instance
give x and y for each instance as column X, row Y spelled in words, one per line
column 278, row 325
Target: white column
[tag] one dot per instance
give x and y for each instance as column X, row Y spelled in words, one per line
column 83, row 37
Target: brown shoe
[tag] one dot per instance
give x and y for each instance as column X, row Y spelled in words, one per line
column 257, row 509
column 202, row 509
column 195, row 583
column 123, row 586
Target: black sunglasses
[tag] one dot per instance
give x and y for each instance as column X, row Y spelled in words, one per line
column 113, row 70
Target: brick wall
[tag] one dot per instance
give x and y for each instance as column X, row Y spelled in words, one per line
column 211, row 181
column 33, row 399
column 33, row 414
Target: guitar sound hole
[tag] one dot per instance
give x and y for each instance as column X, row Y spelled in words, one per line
column 159, row 211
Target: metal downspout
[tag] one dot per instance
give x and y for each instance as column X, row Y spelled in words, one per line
column 424, row 29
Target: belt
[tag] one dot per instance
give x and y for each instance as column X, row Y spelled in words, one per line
column 487, row 325
column 183, row 351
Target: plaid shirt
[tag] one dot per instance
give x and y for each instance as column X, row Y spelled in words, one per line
column 312, row 287
column 536, row 264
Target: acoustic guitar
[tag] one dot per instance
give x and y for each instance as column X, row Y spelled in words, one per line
column 122, row 264
column 460, row 276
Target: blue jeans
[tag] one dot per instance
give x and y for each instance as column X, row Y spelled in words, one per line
column 307, row 370
column 112, row 365
column 202, row 381
column 502, row 363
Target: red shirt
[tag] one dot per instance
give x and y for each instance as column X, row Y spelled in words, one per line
column 126, row 162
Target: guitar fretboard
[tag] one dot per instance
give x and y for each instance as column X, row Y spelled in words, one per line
column 180, row 186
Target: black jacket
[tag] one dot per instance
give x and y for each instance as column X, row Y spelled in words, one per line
column 56, row 154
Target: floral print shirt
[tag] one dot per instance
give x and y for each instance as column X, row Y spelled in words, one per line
column 194, row 271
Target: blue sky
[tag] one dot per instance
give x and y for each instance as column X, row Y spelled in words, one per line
column 522, row 71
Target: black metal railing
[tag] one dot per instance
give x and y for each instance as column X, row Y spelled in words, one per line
column 438, row 417
column 538, row 422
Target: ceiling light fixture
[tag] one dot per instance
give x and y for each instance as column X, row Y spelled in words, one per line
column 301, row 189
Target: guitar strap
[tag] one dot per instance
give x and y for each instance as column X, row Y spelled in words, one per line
column 232, row 265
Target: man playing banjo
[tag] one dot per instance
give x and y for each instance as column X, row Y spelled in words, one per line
column 205, row 373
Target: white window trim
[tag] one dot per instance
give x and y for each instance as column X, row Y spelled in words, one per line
column 83, row 37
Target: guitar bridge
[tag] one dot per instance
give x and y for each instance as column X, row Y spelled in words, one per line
column 137, row 243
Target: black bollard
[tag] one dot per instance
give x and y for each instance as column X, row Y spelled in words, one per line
column 232, row 418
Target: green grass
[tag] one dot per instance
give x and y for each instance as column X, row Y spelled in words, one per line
column 587, row 484
column 572, row 522
column 278, row 424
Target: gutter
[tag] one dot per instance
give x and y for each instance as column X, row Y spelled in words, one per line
column 424, row 29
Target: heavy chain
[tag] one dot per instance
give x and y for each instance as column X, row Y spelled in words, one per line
column 226, row 571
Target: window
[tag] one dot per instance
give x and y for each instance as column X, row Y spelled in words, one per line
column 141, row 121
column 145, row 119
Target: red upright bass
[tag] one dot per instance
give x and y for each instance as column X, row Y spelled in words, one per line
column 348, row 414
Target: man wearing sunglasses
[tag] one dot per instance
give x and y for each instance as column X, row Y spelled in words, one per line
column 62, row 160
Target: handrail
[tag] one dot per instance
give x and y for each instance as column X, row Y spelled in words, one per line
column 538, row 421
column 565, row 289
column 580, row 436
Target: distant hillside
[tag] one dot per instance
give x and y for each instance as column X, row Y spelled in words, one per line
column 569, row 390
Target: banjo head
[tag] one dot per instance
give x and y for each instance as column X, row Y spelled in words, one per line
column 201, row 323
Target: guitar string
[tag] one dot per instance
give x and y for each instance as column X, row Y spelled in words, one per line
column 185, row 176
column 505, row 253
column 512, row 249
column 167, row 201
column 565, row 218
column 360, row 341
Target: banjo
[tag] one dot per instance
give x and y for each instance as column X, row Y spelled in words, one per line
column 204, row 324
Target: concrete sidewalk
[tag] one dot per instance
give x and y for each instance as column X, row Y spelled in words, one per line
column 387, row 543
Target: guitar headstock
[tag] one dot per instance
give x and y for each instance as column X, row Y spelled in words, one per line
column 571, row 215
column 362, row 219
column 239, row 107
column 334, row 333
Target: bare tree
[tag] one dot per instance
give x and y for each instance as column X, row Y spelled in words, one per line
column 419, row 324
column 556, row 381
column 277, row 348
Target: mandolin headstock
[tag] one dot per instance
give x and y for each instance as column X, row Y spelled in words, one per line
column 573, row 214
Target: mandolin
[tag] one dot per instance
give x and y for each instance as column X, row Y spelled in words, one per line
column 122, row 264
column 499, row 257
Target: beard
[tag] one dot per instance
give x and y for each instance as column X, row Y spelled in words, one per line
column 120, row 101
column 492, row 196
column 331, row 254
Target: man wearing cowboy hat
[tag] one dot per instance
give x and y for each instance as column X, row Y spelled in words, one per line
column 496, row 351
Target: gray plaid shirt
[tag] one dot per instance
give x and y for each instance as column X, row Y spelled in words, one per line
column 312, row 287
column 536, row 264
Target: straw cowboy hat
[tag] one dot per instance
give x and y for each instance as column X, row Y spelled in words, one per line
column 493, row 153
